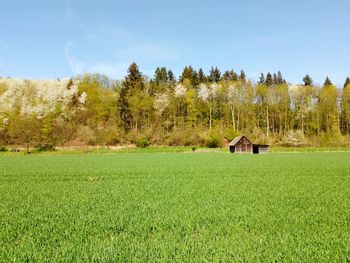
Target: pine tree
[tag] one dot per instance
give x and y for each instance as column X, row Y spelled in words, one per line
column 274, row 79
column 230, row 75
column 242, row 77
column 307, row 80
column 201, row 76
column 347, row 82
column 268, row 80
column 280, row 79
column 132, row 83
column 187, row 73
column 160, row 75
column 214, row 74
column 327, row 82
column 171, row 76
column 234, row 76
column 261, row 78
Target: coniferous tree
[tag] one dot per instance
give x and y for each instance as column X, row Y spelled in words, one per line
column 132, row 83
column 242, row 77
column 214, row 75
column 171, row 76
column 347, row 82
column 268, row 80
column 307, row 80
column 261, row 79
column 230, row 75
column 234, row 76
column 201, row 76
column 161, row 75
column 327, row 82
column 187, row 73
column 280, row 79
column 274, row 79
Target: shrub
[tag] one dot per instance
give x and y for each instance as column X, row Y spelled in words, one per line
column 142, row 142
column 214, row 141
column 3, row 149
column 44, row 148
column 294, row 138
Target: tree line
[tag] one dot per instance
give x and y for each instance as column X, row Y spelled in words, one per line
column 193, row 109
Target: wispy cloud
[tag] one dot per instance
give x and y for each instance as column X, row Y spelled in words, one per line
column 115, row 44
column 113, row 70
column 75, row 65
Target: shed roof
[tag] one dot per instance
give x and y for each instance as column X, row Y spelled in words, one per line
column 237, row 139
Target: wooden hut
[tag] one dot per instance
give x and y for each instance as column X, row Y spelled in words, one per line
column 242, row 144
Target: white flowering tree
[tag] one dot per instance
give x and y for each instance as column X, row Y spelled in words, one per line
column 28, row 107
column 207, row 94
column 161, row 102
column 180, row 92
column 39, row 97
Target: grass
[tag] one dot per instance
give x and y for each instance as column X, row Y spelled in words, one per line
column 175, row 207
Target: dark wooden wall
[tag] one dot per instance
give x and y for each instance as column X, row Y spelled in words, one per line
column 244, row 146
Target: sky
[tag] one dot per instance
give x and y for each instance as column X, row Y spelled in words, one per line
column 62, row 38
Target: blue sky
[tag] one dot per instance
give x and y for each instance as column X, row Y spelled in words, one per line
column 60, row 38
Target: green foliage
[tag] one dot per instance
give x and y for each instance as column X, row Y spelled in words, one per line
column 44, row 148
column 142, row 142
column 3, row 149
column 214, row 75
column 175, row 207
column 307, row 80
column 327, row 82
column 106, row 112
column 214, row 140
column 347, row 82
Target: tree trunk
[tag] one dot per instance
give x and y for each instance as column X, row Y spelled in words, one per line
column 267, row 122
column 233, row 117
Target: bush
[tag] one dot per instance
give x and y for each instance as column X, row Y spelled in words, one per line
column 3, row 149
column 293, row 138
column 44, row 148
column 142, row 142
column 214, row 141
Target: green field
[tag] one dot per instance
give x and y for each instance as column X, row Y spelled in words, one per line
column 175, row 207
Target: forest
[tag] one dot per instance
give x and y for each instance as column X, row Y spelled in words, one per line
column 195, row 108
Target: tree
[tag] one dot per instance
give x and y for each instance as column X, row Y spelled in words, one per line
column 25, row 130
column 214, row 75
column 261, row 79
column 268, row 80
column 161, row 75
column 274, row 79
column 187, row 73
column 207, row 94
column 242, row 77
column 327, row 82
column 201, row 76
column 347, row 82
column 230, row 75
column 307, row 80
column 345, row 108
column 171, row 76
column 132, row 83
column 328, row 108
column 280, row 79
